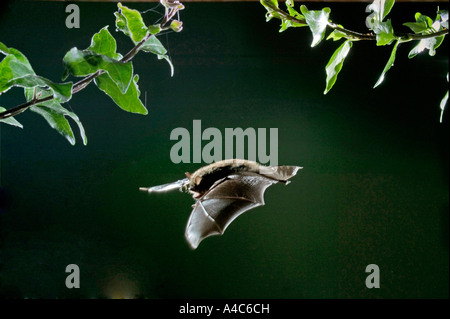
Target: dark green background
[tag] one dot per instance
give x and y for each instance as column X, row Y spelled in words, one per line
column 374, row 188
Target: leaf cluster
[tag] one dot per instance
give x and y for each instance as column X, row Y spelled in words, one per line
column 112, row 72
column 427, row 33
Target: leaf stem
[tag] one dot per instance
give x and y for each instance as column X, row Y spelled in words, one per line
column 353, row 34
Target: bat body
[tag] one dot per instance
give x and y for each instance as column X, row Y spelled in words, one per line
column 223, row 191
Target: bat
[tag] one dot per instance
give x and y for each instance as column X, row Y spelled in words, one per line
column 223, row 191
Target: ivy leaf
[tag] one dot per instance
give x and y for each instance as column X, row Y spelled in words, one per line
column 10, row 70
column 422, row 24
column 385, row 33
column 15, row 70
column 425, row 25
column 154, row 28
column 336, row 35
column 22, row 59
column 317, row 22
column 130, row 22
column 153, row 45
column 55, row 115
column 379, row 10
column 389, row 64
column 62, row 92
column 443, row 17
column 382, row 29
column 176, row 25
column 335, row 64
column 128, row 101
column 288, row 23
column 14, row 66
column 271, row 13
column 291, row 10
column 417, row 27
column 104, row 43
column 430, row 44
column 84, row 62
column 10, row 120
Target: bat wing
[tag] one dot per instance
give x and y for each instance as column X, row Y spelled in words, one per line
column 225, row 201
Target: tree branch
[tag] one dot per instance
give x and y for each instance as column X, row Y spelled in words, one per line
column 80, row 85
column 354, row 34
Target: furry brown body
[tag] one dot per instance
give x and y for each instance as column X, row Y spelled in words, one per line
column 202, row 179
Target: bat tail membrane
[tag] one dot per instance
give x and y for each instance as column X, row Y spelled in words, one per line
column 279, row 173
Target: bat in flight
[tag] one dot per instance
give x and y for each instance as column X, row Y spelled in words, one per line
column 223, row 191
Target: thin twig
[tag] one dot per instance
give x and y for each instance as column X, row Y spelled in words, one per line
column 23, row 107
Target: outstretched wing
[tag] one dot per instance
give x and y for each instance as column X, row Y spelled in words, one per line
column 226, row 199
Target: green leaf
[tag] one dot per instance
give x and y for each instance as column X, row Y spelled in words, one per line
column 336, row 35
column 176, row 25
column 166, row 57
column 128, row 101
column 430, row 44
column 56, row 121
column 85, row 62
column 422, row 25
column 416, row 27
column 379, row 10
column 424, row 19
column 130, row 22
column 383, row 29
column 270, row 5
column 389, row 64
column 154, row 29
column 443, row 17
column 317, row 22
column 295, row 14
column 153, row 45
column 291, row 10
column 62, row 92
column 55, row 115
column 385, row 33
column 10, row 120
column 104, row 43
column 335, row 64
column 286, row 23
column 15, row 65
column 17, row 54
column 15, row 70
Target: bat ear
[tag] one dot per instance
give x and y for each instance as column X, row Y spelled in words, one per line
column 188, row 175
column 198, row 179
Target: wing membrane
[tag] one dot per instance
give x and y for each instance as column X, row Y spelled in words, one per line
column 223, row 203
